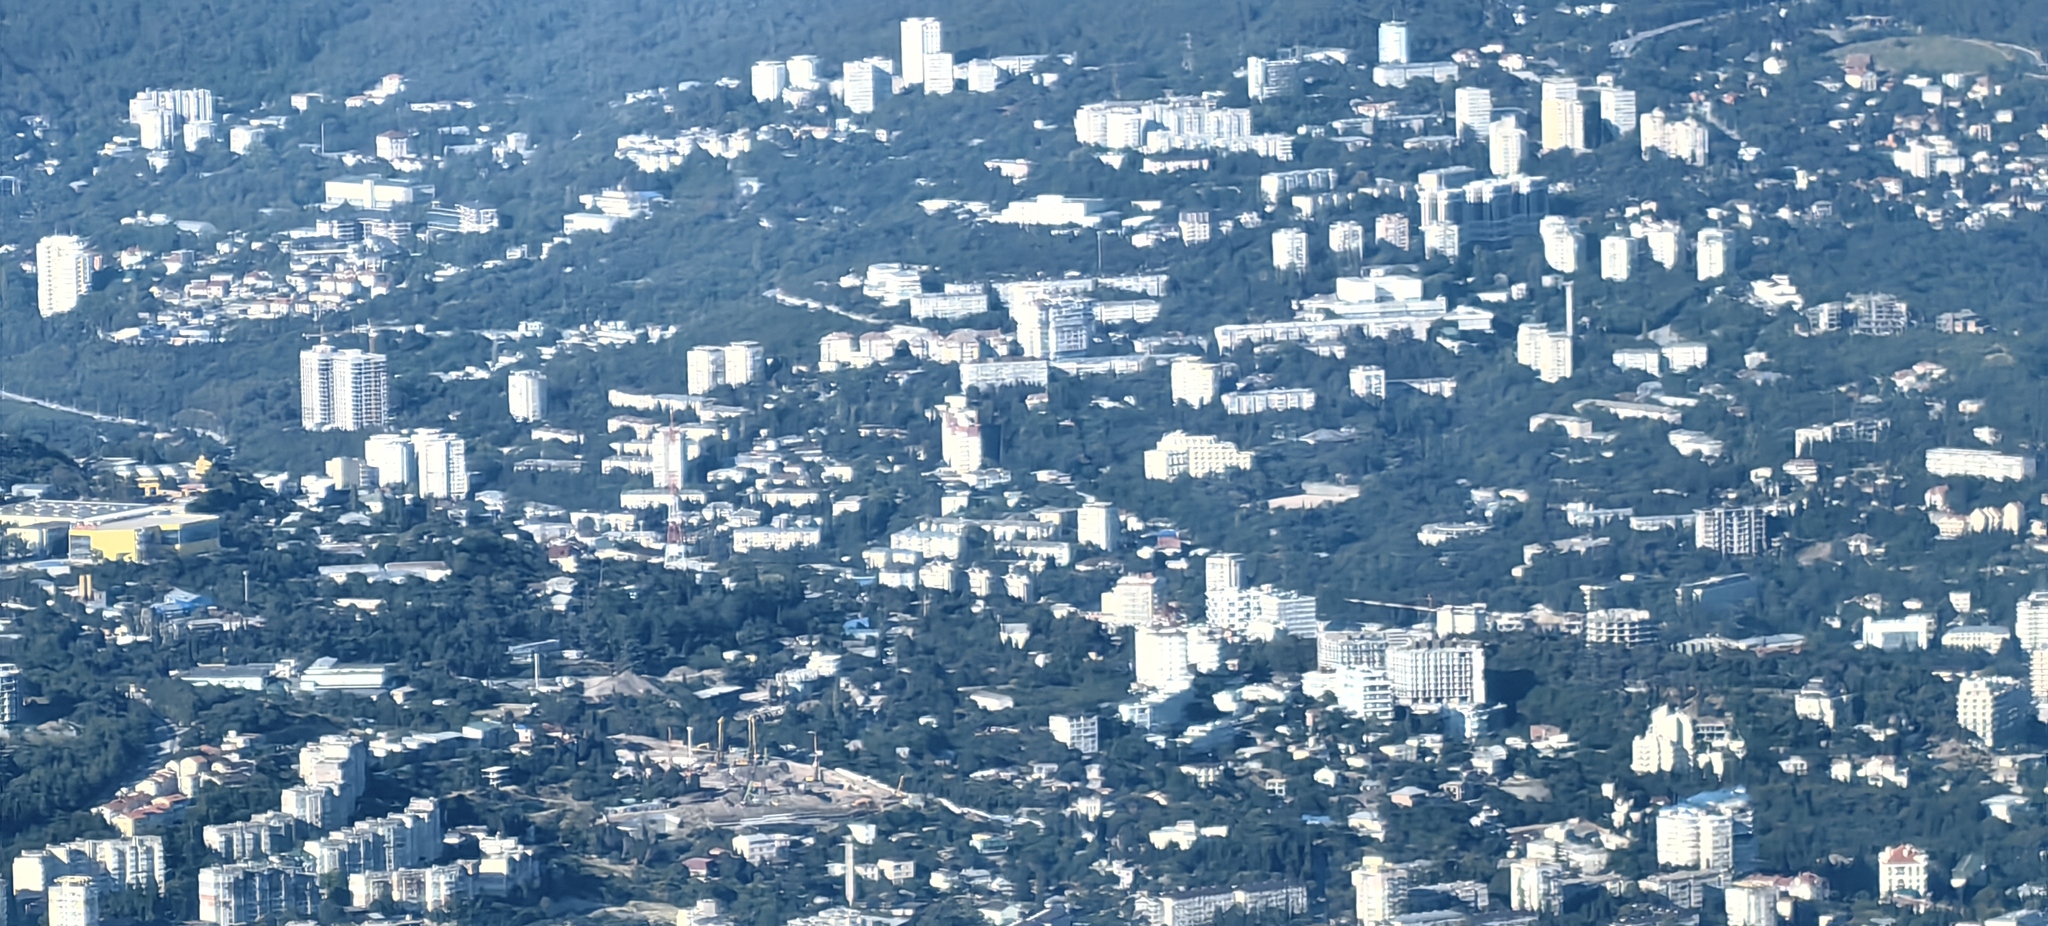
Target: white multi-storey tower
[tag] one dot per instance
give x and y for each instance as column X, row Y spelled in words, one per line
column 1474, row 108
column 527, row 392
column 1393, row 42
column 63, row 273
column 1381, row 890
column 960, row 435
column 1290, row 250
column 443, row 462
column 1617, row 257
column 1506, row 145
column 390, row 457
column 10, row 692
column 921, row 40
column 343, row 390
column 857, row 86
column 770, row 78
column 1097, row 526
column 1712, row 253
column 74, row 901
column 1561, row 243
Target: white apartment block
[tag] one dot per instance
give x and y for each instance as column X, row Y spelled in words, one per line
column 1507, row 144
column 1736, row 531
column 1194, row 381
column 1547, row 352
column 1391, row 228
column 1980, row 464
column 1682, row 356
column 63, row 273
column 1711, row 255
column 1290, row 250
column 960, row 441
column 343, row 390
column 2030, row 626
column 1162, row 661
column 1266, row 78
column 1196, row 456
column 443, row 464
column 133, row 862
column 526, row 391
column 958, row 301
column 1194, row 228
column 1696, row 838
column 921, row 38
column 1993, row 708
column 1474, row 108
column 389, row 457
column 708, row 367
column 1097, row 525
column 1394, row 42
column 1617, row 257
column 1642, row 359
column 1561, row 243
column 768, row 79
column 1080, row 732
column 1347, row 239
column 1564, row 120
column 1259, row 401
column 1369, row 382
column 1381, row 890
column 1446, row 675
column 939, row 77
column 74, row 901
column 857, row 81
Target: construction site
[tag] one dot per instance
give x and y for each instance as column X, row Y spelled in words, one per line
column 741, row 788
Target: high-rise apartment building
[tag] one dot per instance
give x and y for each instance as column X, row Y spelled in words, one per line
column 1393, row 42
column 1194, row 228
column 443, row 464
column 921, row 39
column 1752, row 902
column 708, row 366
column 1617, row 257
column 527, row 392
column 2030, row 626
column 74, row 901
column 390, row 457
column 162, row 117
column 857, row 85
column 1162, row 662
column 1053, row 327
column 1079, row 732
column 1266, row 78
column 1474, row 108
column 1712, row 257
column 1698, row 838
column 1618, row 109
column 939, row 78
column 239, row 895
column 1347, row 239
column 1097, row 525
column 1564, row 125
column 960, row 442
column 343, row 390
column 10, row 693
column 769, row 79
column 1381, row 890
column 1547, row 352
column 1737, row 531
column 1290, row 250
column 1506, row 145
column 1561, row 243
column 1993, row 708
column 1451, row 674
column 63, row 273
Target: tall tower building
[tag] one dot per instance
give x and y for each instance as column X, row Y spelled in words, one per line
column 1097, row 525
column 1994, row 708
column 1741, row 531
column 1617, row 257
column 1712, row 253
column 1194, row 381
column 1506, row 145
column 938, row 73
column 1618, row 109
column 1561, row 243
column 10, row 693
column 770, row 78
column 1474, row 108
column 63, row 273
column 1347, row 239
column 960, row 435
column 1564, row 125
column 390, row 457
column 74, row 901
column 1393, row 42
column 857, row 86
column 343, row 390
column 1381, row 888
column 443, row 462
column 920, row 40
column 527, row 392
column 1290, row 250
column 1266, row 78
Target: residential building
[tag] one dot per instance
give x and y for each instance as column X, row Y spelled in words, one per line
column 857, row 85
column 1098, row 526
column 1394, row 42
column 389, row 457
column 1617, row 257
column 1391, row 228
column 1290, row 250
column 1381, row 890
column 1820, row 702
column 130, row 863
column 527, row 392
column 1561, row 243
column 74, row 901
column 1266, row 78
column 921, row 39
column 1473, row 108
column 1347, row 239
column 443, row 464
column 1981, row 464
column 1507, row 144
column 1563, row 115
column 1736, row 531
column 960, row 440
column 1258, row 401
column 2030, row 626
column 768, row 80
column 1369, row 382
column 343, row 390
column 1992, row 708
column 1079, row 732
column 1618, row 109
column 1711, row 253
column 1620, row 627
column 243, row 894
column 1194, row 381
column 1194, row 228
column 10, row 693
column 63, row 273
column 1752, row 902
column 1699, row 838
column 939, row 76
column 1197, row 456
column 1162, row 661
column 1901, row 872
column 463, row 218
column 1443, row 675
column 1053, row 327
column 1535, row 886
column 1910, row 632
